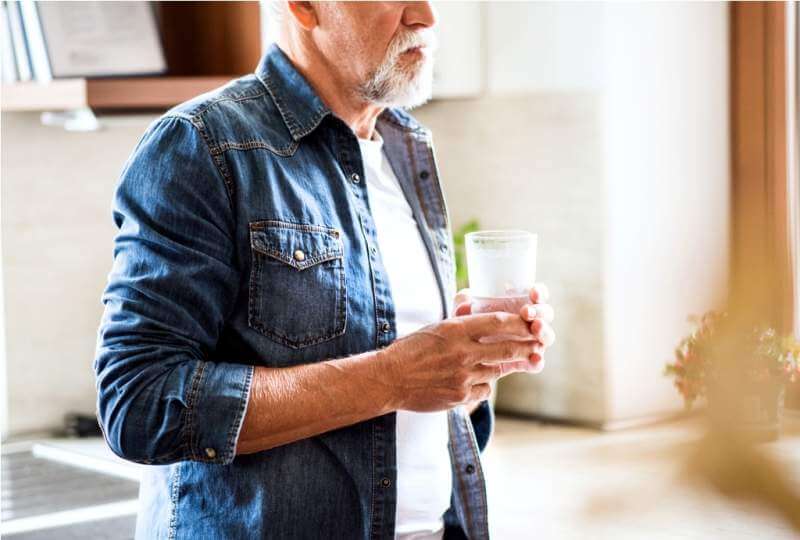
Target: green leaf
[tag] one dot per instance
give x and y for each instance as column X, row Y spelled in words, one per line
column 460, row 251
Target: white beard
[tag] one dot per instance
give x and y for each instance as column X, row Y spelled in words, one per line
column 391, row 86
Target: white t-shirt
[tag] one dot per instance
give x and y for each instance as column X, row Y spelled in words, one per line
column 424, row 477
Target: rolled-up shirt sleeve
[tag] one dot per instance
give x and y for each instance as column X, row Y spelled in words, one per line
column 162, row 394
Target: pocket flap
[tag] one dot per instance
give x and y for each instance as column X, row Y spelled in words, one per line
column 296, row 244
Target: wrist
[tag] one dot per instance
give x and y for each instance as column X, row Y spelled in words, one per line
column 383, row 372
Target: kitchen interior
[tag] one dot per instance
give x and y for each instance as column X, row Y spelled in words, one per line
column 653, row 147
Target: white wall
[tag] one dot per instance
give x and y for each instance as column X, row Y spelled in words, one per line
column 57, row 248
column 3, row 386
column 460, row 70
column 544, row 47
column 653, row 216
column 535, row 162
column 667, row 189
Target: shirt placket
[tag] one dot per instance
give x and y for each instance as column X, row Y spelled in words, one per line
column 418, row 176
column 384, row 466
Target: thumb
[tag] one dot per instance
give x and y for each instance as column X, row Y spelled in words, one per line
column 463, row 303
column 463, row 309
column 463, row 295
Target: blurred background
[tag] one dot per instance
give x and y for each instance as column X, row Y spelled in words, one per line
column 652, row 147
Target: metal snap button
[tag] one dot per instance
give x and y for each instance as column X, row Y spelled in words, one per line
column 355, row 178
column 299, row 255
column 386, row 327
column 385, row 482
column 211, row 453
column 469, row 469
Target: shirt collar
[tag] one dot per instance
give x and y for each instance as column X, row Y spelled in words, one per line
column 300, row 106
column 298, row 103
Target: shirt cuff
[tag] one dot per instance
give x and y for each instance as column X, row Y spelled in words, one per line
column 217, row 403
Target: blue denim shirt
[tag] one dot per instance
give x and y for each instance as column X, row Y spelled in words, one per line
column 217, row 198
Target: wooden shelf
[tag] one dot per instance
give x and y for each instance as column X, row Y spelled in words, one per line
column 140, row 93
column 205, row 44
column 148, row 93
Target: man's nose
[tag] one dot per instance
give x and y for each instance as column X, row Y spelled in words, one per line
column 420, row 14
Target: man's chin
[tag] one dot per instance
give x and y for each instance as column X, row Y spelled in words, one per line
column 412, row 94
column 406, row 99
column 415, row 100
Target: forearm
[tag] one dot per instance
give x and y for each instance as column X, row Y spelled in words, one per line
column 289, row 404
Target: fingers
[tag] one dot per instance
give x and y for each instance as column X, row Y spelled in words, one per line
column 518, row 366
column 462, row 296
column 482, row 373
column 542, row 311
column 463, row 303
column 537, row 366
column 508, row 351
column 498, row 323
column 540, row 294
column 546, row 334
column 489, row 372
column 543, row 332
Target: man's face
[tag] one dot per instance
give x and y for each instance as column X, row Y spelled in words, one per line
column 383, row 49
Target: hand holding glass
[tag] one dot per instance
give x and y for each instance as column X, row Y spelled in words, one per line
column 501, row 266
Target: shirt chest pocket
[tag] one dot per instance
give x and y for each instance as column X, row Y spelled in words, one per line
column 298, row 295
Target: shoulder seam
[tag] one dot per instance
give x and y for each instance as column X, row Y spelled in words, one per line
column 197, row 124
column 217, row 148
column 220, row 99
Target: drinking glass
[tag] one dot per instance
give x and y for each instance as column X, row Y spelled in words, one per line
column 501, row 266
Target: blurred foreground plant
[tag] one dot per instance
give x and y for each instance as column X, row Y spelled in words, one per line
column 725, row 358
column 757, row 355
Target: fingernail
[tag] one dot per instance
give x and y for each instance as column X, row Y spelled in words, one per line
column 531, row 312
column 536, row 326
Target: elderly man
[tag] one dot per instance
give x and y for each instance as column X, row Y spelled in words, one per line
column 275, row 341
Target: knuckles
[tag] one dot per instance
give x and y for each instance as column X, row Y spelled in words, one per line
column 499, row 318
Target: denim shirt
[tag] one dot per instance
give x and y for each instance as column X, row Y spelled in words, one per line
column 246, row 239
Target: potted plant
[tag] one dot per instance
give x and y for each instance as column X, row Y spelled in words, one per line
column 741, row 372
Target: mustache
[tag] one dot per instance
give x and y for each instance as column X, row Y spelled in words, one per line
column 411, row 39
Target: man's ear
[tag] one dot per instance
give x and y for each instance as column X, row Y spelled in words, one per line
column 304, row 13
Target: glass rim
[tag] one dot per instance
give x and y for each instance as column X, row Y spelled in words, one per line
column 501, row 235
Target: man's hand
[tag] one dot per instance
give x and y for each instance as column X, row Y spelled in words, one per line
column 446, row 364
column 538, row 313
column 436, row 368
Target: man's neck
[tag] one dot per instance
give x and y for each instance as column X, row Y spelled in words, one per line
column 333, row 89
